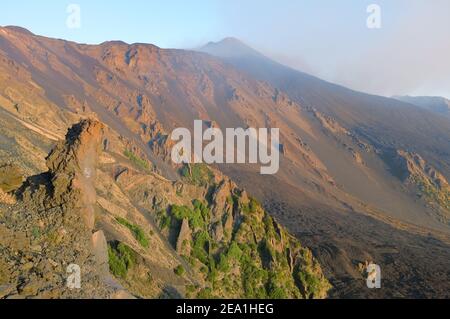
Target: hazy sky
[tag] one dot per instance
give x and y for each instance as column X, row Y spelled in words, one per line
column 328, row 38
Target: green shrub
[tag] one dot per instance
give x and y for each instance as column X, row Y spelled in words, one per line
column 195, row 217
column 202, row 208
column 136, row 160
column 179, row 270
column 311, row 285
column 137, row 232
column 36, row 232
column 234, row 252
column 274, row 291
column 165, row 222
column 164, row 219
column 200, row 249
column 206, row 293
column 121, row 259
column 197, row 174
column 184, row 171
column 253, row 276
column 190, row 291
column 223, row 265
column 253, row 205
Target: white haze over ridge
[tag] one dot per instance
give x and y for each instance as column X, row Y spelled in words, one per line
column 413, row 59
column 409, row 55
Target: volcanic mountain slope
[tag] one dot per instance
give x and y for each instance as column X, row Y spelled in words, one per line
column 142, row 91
column 436, row 104
column 372, row 129
column 385, row 122
column 360, row 132
column 337, row 182
column 95, row 207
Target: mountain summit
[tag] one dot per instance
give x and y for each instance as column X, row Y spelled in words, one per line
column 230, row 48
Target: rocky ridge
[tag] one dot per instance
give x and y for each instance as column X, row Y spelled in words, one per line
column 164, row 244
column 50, row 227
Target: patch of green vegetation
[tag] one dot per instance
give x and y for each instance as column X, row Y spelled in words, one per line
column 252, row 261
column 181, row 212
column 200, row 249
column 190, row 291
column 213, row 273
column 137, row 232
column 206, row 293
column 273, row 287
column 224, row 264
column 197, row 174
column 252, row 206
column 185, row 171
column 36, row 232
column 164, row 220
column 253, row 276
column 202, row 208
column 136, row 160
column 432, row 193
column 310, row 284
column 121, row 259
column 179, row 271
column 233, row 254
column 197, row 217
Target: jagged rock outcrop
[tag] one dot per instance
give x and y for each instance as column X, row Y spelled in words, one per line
column 410, row 167
column 427, row 182
column 412, row 164
column 234, row 248
column 215, row 231
column 328, row 123
column 47, row 235
column 100, row 249
column 72, row 166
column 221, row 198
